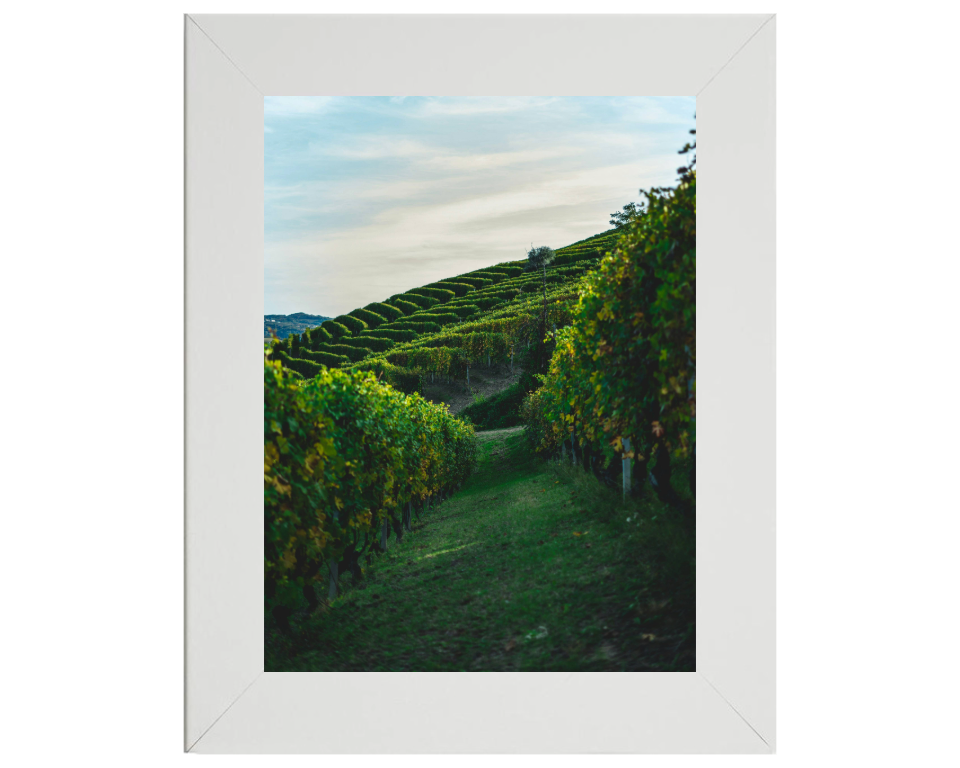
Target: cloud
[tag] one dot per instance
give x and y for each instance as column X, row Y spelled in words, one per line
column 370, row 148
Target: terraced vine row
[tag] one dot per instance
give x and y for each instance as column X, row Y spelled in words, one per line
column 622, row 380
column 346, row 459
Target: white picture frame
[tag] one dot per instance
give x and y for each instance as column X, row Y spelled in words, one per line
column 728, row 704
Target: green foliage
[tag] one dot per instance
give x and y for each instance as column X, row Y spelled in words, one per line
column 422, row 301
column 590, row 257
column 540, row 257
column 325, row 358
column 348, row 350
column 487, row 302
column 401, row 379
column 411, row 325
column 460, row 288
column 372, row 343
column 476, row 282
column 440, row 359
column 389, row 333
column 451, row 353
column 502, row 409
column 342, row 454
column 463, row 310
column 307, row 369
column 354, row 324
column 589, row 250
column 384, row 311
column 440, row 294
column 610, row 236
column 335, row 329
column 626, row 367
column 438, row 318
column 372, row 319
column 406, row 307
column 294, row 344
column 630, row 212
column 504, row 270
column 320, row 335
column 539, row 427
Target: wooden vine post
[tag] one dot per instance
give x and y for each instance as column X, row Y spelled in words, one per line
column 626, row 468
column 332, row 591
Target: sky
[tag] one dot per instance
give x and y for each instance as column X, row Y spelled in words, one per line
column 366, row 197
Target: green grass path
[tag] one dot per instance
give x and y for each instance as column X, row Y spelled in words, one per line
column 530, row 567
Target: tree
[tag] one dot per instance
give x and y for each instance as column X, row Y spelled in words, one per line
column 687, row 172
column 539, row 258
column 631, row 211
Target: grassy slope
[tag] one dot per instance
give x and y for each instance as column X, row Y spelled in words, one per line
column 496, row 579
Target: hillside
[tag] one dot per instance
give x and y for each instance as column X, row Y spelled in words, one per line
column 460, row 340
column 282, row 326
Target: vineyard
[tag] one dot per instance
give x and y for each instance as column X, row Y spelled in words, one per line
column 594, row 346
column 488, row 316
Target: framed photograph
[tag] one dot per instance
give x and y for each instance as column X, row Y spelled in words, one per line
column 693, row 684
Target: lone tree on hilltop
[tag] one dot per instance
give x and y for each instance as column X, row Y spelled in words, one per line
column 540, row 258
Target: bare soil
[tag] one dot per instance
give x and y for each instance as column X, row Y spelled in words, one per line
column 484, row 381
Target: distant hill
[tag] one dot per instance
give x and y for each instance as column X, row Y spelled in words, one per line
column 282, row 326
